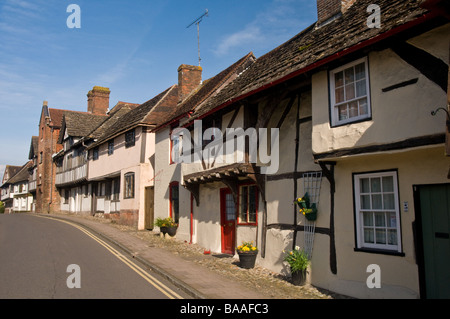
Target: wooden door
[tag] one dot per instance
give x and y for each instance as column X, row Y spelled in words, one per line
column 149, row 207
column 227, row 220
column 433, row 203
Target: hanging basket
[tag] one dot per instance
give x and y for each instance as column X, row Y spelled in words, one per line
column 311, row 216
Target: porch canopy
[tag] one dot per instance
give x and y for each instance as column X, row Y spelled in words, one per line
column 231, row 175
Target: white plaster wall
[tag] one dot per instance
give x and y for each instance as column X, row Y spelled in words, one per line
column 165, row 173
column 396, row 115
column 122, row 157
column 399, row 274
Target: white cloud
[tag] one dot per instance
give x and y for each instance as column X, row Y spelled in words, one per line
column 250, row 34
column 274, row 24
column 2, row 170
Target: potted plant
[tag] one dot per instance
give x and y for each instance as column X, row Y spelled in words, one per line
column 306, row 208
column 298, row 262
column 166, row 226
column 247, row 255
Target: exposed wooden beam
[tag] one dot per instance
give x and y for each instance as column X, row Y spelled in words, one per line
column 433, row 68
column 194, row 188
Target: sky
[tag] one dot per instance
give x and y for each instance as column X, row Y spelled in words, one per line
column 132, row 47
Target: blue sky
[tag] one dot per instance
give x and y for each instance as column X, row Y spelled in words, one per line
column 133, row 47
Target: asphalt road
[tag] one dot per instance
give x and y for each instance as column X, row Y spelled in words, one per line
column 41, row 258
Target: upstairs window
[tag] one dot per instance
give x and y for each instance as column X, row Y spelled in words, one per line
column 95, row 153
column 350, row 98
column 111, row 147
column 130, row 138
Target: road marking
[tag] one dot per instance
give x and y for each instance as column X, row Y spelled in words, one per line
column 141, row 272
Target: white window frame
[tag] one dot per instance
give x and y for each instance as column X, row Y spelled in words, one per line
column 334, row 106
column 360, row 243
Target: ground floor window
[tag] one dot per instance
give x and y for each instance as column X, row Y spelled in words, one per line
column 115, row 189
column 377, row 211
column 174, row 201
column 248, row 204
column 129, row 185
column 66, row 196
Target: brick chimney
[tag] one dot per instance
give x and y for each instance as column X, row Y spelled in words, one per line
column 189, row 77
column 98, row 100
column 329, row 9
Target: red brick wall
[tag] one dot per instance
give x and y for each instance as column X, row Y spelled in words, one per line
column 128, row 217
column 327, row 9
column 47, row 196
column 98, row 100
column 189, row 77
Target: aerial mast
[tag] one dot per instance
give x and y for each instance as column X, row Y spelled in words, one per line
column 197, row 22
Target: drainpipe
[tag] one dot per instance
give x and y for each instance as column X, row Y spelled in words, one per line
column 51, row 165
column 297, row 146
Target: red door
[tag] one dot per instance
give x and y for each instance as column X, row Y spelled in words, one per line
column 227, row 220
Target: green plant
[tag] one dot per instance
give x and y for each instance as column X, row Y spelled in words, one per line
column 297, row 260
column 247, row 246
column 165, row 222
column 306, row 208
column 2, row 207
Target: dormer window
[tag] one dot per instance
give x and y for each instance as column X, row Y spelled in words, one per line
column 350, row 96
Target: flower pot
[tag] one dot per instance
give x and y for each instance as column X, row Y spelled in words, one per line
column 247, row 259
column 172, row 231
column 311, row 216
column 164, row 230
column 299, row 278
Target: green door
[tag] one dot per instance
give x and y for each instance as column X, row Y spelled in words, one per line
column 435, row 221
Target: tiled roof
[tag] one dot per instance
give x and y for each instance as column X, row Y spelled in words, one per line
column 22, row 174
column 110, row 122
column 209, row 88
column 10, row 171
column 56, row 116
column 200, row 95
column 79, row 124
column 312, row 45
column 137, row 116
column 33, row 147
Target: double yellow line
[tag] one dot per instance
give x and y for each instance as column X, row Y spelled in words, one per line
column 141, row 272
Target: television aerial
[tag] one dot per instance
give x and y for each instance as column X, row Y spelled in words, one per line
column 197, row 22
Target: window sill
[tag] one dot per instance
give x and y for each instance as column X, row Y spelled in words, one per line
column 380, row 251
column 349, row 122
column 247, row 224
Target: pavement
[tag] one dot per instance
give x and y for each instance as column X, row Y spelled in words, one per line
column 194, row 279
